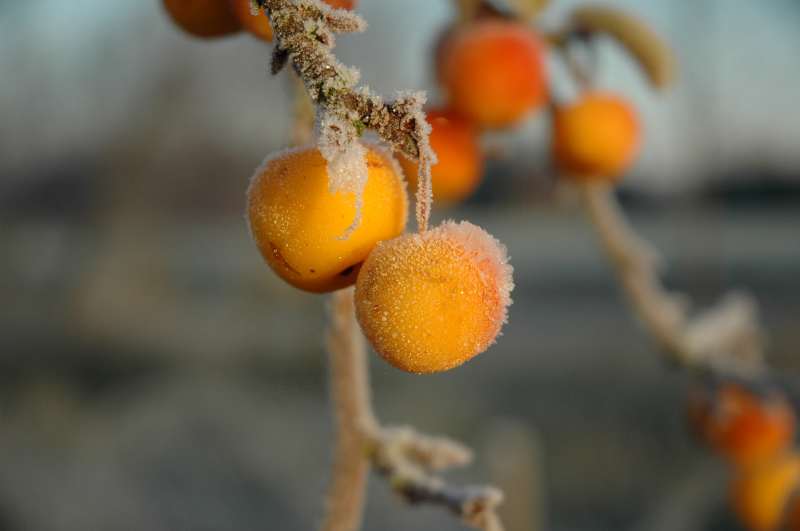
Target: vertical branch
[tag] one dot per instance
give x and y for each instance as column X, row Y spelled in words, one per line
column 355, row 422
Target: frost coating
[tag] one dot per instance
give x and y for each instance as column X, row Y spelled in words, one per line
column 347, row 166
column 391, row 159
column 429, row 302
column 297, row 222
column 304, row 33
column 414, row 103
column 338, row 142
column 491, row 254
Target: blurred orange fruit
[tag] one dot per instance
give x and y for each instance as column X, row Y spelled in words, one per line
column 760, row 494
column 258, row 25
column 341, row 4
column 203, row 18
column 493, row 71
column 255, row 24
column 745, row 427
column 596, row 137
column 459, row 166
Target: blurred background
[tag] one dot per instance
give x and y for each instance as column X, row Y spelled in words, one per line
column 154, row 374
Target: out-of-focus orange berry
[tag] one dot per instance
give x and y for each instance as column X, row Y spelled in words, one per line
column 429, row 302
column 745, row 427
column 760, row 494
column 298, row 223
column 203, row 18
column 258, row 25
column 596, row 137
column 341, row 4
column 493, row 71
column 459, row 168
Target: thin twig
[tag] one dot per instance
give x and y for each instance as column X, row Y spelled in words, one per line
column 726, row 337
column 407, row 459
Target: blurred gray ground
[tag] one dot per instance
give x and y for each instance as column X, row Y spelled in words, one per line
column 157, row 376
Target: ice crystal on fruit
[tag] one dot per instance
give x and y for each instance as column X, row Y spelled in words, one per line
column 347, row 166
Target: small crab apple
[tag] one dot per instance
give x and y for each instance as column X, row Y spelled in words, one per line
column 493, row 71
column 428, row 302
column 203, row 18
column 298, row 224
column 596, row 137
column 745, row 426
column 761, row 495
column 255, row 24
column 459, row 166
column 258, row 24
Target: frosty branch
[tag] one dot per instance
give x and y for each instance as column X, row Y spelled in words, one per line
column 725, row 338
column 406, row 458
column 304, row 32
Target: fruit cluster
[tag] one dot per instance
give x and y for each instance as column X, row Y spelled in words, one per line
column 431, row 301
column 493, row 75
column 753, row 428
column 427, row 302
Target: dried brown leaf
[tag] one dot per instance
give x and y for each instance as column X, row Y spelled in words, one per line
column 651, row 52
